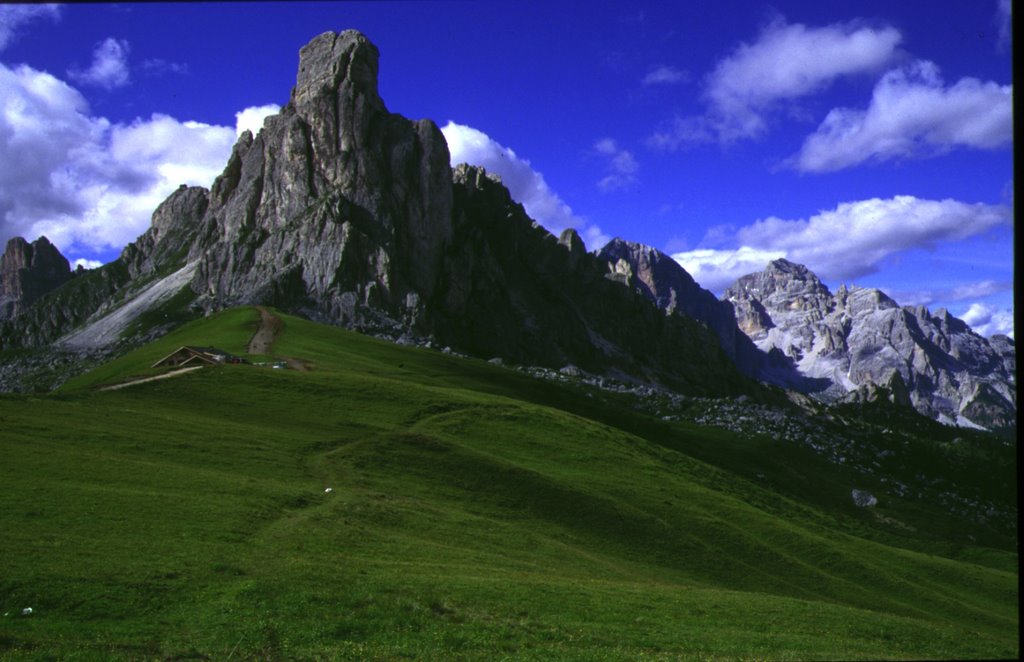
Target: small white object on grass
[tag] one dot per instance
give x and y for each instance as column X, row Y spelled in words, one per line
column 27, row 611
column 328, row 490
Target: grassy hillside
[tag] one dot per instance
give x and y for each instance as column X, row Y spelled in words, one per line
column 473, row 513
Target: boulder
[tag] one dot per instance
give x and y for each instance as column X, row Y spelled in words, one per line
column 864, row 499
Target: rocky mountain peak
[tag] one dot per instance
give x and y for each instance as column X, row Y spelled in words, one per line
column 337, row 66
column 783, row 266
column 790, row 289
column 785, row 280
column 336, row 205
column 861, row 338
column 651, row 271
column 27, row 272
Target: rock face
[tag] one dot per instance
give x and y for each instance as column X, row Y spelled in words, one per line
column 346, row 213
column 673, row 290
column 861, row 341
column 27, row 272
column 336, row 201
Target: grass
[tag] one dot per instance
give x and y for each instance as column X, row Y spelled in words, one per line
column 474, row 513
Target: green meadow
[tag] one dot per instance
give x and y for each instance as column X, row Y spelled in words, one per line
column 399, row 503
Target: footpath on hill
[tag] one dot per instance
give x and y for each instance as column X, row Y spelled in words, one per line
column 262, row 341
column 166, row 375
column 270, row 326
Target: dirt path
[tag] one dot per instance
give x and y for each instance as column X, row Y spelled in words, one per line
column 263, row 340
column 166, row 375
column 266, row 333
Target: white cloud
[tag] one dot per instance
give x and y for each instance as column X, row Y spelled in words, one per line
column 852, row 239
column 109, row 67
column 980, row 289
column 12, row 17
column 251, row 119
column 121, row 178
column 785, row 63
column 849, row 241
column 717, row 269
column 911, row 114
column 963, row 292
column 86, row 264
column 526, row 185
column 621, row 166
column 665, row 75
column 988, row 320
column 88, row 184
column 159, row 67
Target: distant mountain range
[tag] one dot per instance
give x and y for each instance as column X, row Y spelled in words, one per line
column 346, row 213
column 858, row 339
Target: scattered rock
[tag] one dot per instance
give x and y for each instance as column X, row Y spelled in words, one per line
column 864, row 499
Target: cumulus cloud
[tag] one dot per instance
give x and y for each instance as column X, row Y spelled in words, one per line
column 911, row 114
column 251, row 119
column 109, row 67
column 665, row 75
column 621, row 166
column 12, row 17
column 988, row 320
column 88, row 184
column 849, row 241
column 526, row 185
column 786, row 62
column 118, row 178
column 852, row 239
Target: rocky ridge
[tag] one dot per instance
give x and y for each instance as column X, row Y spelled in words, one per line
column 859, row 339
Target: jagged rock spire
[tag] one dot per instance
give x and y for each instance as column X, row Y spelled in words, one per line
column 27, row 272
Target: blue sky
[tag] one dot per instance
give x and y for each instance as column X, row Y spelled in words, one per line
column 871, row 141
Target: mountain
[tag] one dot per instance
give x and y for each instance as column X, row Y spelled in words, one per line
column 661, row 279
column 27, row 272
column 349, row 214
column 859, row 339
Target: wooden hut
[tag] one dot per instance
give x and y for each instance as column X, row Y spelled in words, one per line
column 190, row 356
